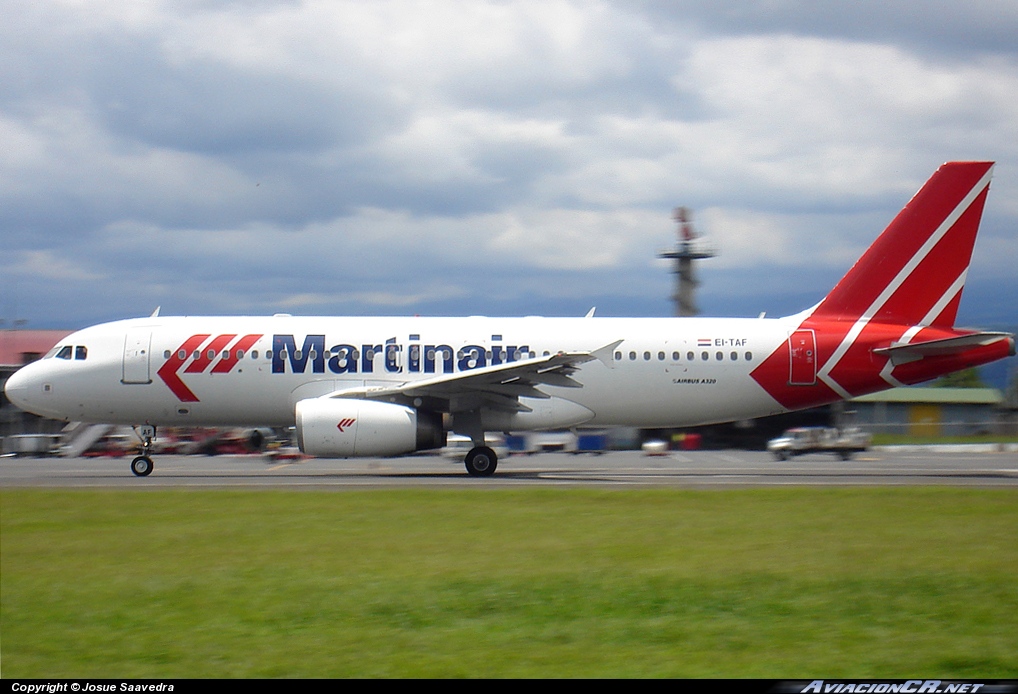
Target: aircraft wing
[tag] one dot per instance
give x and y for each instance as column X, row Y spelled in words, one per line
column 497, row 387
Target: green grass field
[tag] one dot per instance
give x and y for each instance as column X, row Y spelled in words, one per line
column 799, row 582
column 912, row 440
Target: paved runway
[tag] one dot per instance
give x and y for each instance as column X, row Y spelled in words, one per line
column 699, row 469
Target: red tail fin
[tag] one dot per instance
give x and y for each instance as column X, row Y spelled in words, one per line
column 913, row 274
column 890, row 320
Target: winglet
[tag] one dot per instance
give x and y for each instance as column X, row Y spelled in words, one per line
column 604, row 354
column 590, row 313
column 155, row 314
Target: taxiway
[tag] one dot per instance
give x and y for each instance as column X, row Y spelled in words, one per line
column 702, row 469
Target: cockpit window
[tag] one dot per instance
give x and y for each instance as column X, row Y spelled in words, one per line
column 81, row 352
column 64, row 353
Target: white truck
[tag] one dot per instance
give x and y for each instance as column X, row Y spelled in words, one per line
column 801, row 440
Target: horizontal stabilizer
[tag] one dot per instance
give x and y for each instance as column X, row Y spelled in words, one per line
column 903, row 353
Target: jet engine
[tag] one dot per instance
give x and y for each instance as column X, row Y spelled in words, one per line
column 351, row 428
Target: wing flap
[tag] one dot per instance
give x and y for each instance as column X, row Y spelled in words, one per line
column 497, row 387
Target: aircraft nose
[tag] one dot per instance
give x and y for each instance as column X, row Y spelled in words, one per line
column 20, row 388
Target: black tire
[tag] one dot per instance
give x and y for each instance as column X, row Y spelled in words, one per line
column 142, row 466
column 481, row 461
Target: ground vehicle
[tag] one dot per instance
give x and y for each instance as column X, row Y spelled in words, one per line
column 802, row 440
column 35, row 445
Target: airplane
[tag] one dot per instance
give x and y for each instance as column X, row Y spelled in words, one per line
column 388, row 386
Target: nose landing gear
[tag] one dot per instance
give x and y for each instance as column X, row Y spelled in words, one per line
column 142, row 465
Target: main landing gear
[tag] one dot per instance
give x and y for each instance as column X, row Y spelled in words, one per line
column 142, row 465
column 481, row 461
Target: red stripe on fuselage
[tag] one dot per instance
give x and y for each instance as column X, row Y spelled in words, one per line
column 226, row 364
column 168, row 371
column 207, row 354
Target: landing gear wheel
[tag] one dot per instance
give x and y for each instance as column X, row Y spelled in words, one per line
column 481, row 461
column 142, row 466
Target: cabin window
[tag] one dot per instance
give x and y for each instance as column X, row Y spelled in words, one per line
column 749, row 356
column 705, row 356
column 735, row 356
column 254, row 353
column 690, row 356
column 720, row 356
column 632, row 356
column 675, row 356
column 646, row 356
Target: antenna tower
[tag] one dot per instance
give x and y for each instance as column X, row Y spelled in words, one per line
column 690, row 247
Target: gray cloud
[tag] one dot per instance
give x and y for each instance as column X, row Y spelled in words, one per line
column 935, row 27
column 468, row 157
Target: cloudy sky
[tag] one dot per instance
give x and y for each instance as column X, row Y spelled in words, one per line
column 504, row 158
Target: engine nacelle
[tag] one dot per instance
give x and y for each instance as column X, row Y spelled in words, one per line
column 350, row 428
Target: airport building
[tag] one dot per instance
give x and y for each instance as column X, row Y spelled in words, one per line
column 931, row 412
column 17, row 348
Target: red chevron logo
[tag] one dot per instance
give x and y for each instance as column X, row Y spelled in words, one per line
column 344, row 423
column 202, row 355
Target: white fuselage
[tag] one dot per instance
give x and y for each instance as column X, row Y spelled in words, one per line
column 664, row 372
